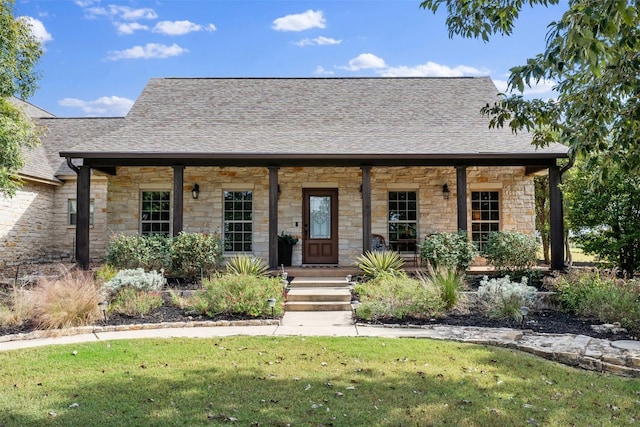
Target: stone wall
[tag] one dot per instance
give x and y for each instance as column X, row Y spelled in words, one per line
column 435, row 213
column 26, row 229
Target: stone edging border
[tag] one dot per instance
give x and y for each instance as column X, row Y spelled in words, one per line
column 580, row 351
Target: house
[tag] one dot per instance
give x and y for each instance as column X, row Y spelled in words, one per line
column 333, row 161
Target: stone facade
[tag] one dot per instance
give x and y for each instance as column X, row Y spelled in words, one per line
column 204, row 215
column 34, row 225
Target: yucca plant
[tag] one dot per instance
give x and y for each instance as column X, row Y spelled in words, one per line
column 374, row 263
column 248, row 265
column 449, row 280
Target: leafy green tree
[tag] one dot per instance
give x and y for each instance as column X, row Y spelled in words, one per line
column 604, row 216
column 592, row 54
column 20, row 51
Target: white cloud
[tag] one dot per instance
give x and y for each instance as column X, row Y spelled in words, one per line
column 300, row 22
column 103, row 106
column 318, row 41
column 320, row 71
column 148, row 51
column 38, row 29
column 365, row 61
column 129, row 28
column 543, row 87
column 178, row 28
column 125, row 13
column 432, row 69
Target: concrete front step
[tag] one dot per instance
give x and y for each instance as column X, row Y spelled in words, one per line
column 319, row 295
column 317, row 306
column 319, row 282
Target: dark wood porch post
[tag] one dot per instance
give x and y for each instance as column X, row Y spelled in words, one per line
column 461, row 189
column 366, row 208
column 83, row 191
column 273, row 217
column 556, row 219
column 178, row 199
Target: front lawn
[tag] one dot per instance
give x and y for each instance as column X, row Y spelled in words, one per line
column 279, row 381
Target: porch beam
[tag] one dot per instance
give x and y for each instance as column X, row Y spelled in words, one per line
column 556, row 219
column 83, row 192
column 366, row 208
column 273, row 217
column 178, row 199
column 461, row 190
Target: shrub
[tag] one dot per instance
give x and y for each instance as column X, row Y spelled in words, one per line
column 374, row 263
column 137, row 279
column 16, row 306
column 503, row 298
column 105, row 273
column 71, row 300
column 134, row 303
column 146, row 252
column 194, row 254
column 453, row 250
column 238, row 294
column 511, row 251
column 398, row 296
column 448, row 280
column 249, row 265
column 599, row 294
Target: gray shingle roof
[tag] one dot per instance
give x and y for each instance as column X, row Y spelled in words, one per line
column 311, row 116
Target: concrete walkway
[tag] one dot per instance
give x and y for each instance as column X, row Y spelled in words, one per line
column 615, row 357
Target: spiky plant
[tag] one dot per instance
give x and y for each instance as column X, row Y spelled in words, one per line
column 374, row 263
column 449, row 280
column 248, row 265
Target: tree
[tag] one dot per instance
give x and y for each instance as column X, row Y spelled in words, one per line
column 604, row 216
column 20, row 50
column 593, row 55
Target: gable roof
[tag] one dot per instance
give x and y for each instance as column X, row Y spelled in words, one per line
column 292, row 120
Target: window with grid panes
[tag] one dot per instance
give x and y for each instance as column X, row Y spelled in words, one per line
column 238, row 221
column 155, row 213
column 403, row 220
column 485, row 215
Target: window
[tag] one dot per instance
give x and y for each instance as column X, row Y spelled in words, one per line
column 238, row 221
column 485, row 215
column 155, row 213
column 73, row 211
column 403, row 220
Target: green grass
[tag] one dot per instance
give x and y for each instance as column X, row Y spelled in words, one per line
column 276, row 381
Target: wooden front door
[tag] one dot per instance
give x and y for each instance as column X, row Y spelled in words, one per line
column 320, row 221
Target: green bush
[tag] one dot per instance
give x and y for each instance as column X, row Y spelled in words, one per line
column 134, row 303
column 137, row 279
column 396, row 297
column 250, row 265
column 511, row 251
column 374, row 263
column 448, row 280
column 146, row 252
column 599, row 294
column 448, row 250
column 187, row 255
column 195, row 254
column 238, row 294
column 503, row 298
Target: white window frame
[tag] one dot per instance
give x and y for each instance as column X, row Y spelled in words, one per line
column 482, row 227
column 72, row 212
column 392, row 239
column 239, row 219
column 142, row 221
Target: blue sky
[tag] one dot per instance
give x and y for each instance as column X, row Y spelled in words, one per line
column 100, row 54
